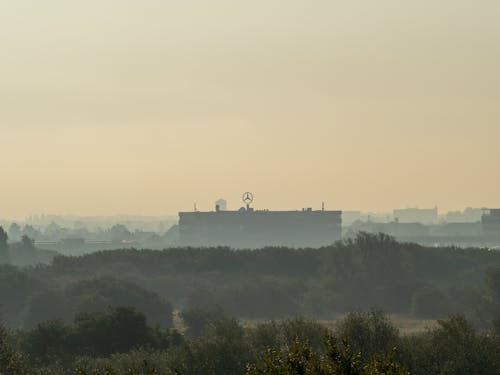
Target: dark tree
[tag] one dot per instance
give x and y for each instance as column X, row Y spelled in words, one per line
column 4, row 247
column 28, row 243
column 117, row 330
column 493, row 281
column 300, row 358
column 15, row 232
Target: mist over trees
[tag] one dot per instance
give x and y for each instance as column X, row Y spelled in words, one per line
column 4, row 247
column 72, row 237
column 23, row 252
column 221, row 311
column 370, row 270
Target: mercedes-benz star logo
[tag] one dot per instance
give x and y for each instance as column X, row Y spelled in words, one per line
column 248, row 197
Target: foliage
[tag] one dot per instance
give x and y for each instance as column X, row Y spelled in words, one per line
column 454, row 347
column 97, row 334
column 283, row 334
column 369, row 332
column 271, row 283
column 275, row 347
column 493, row 281
column 17, row 287
column 301, row 359
column 135, row 362
column 197, row 321
column 4, row 247
column 50, row 341
column 221, row 350
column 11, row 361
column 93, row 296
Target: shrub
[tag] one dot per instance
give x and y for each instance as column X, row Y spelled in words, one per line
column 11, row 361
column 369, row 332
column 301, row 359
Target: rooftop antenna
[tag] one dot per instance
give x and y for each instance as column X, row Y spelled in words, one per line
column 195, row 208
column 322, row 206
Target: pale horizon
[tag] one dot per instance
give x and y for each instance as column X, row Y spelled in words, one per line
column 146, row 107
column 211, row 207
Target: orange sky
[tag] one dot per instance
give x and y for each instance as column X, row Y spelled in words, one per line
column 148, row 106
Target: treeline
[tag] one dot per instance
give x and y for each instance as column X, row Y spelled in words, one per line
column 270, row 283
column 22, row 252
column 71, row 240
column 27, row 301
column 118, row 342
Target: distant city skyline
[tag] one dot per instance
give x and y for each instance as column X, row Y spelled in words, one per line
column 457, row 214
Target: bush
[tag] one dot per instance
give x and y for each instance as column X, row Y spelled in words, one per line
column 47, row 342
column 453, row 347
column 223, row 350
column 369, row 332
column 301, row 359
column 116, row 331
column 11, row 361
column 283, row 334
column 97, row 295
column 197, row 321
column 135, row 362
column 98, row 334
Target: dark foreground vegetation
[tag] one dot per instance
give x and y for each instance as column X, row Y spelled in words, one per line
column 112, row 312
column 272, row 283
column 119, row 342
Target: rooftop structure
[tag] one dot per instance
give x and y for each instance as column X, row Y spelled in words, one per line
column 221, row 205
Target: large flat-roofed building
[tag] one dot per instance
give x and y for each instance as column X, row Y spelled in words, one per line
column 416, row 215
column 248, row 228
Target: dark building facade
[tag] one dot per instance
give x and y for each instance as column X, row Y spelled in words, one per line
column 490, row 221
column 248, row 228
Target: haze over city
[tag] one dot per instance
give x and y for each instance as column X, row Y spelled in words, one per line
column 222, row 187
column 147, row 107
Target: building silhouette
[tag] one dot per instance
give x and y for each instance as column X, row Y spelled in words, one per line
column 249, row 228
column 416, row 215
column 490, row 221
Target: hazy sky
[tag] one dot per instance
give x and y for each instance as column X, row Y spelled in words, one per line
column 146, row 106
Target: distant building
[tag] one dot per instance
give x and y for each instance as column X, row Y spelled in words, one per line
column 416, row 215
column 490, row 221
column 457, row 230
column 400, row 231
column 249, row 228
column 349, row 217
column 469, row 215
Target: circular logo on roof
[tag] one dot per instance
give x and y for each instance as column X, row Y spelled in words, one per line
column 248, row 197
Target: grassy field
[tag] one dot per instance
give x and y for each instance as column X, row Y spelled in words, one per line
column 406, row 324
